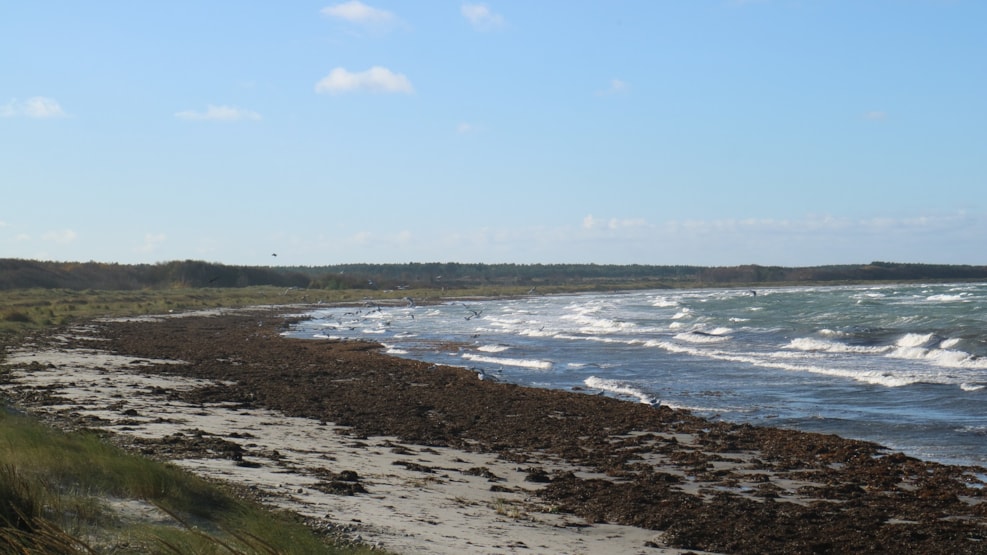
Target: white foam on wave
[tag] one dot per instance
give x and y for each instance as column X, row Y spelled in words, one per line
column 492, row 348
column 972, row 386
column 519, row 362
column 811, row 344
column 945, row 298
column 540, row 332
column 664, row 302
column 949, row 343
column 602, row 325
column 620, row 388
column 915, row 339
column 784, row 363
column 697, row 336
column 948, row 358
column 684, row 313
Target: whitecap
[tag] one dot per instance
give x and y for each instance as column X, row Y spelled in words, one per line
column 536, row 333
column 947, row 298
column 829, row 346
column 520, row 362
column 684, row 313
column 949, row 343
column 948, row 358
column 915, row 339
column 873, row 377
column 664, row 302
column 701, row 337
column 620, row 388
column 492, row 348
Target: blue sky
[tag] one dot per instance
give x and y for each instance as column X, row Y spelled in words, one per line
column 710, row 132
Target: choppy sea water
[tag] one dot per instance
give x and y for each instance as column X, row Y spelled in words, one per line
column 901, row 365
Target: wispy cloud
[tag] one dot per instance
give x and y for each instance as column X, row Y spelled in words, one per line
column 876, row 115
column 38, row 107
column 807, row 240
column 616, row 86
column 613, row 224
column 465, row 128
column 808, row 225
column 375, row 79
column 151, row 242
column 219, row 113
column 358, row 12
column 61, row 236
column 747, row 2
column 482, row 17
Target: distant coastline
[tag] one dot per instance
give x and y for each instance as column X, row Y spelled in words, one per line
column 453, row 276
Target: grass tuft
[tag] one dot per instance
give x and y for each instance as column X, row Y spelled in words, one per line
column 54, row 487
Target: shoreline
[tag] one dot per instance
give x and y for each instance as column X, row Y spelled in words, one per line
column 449, row 463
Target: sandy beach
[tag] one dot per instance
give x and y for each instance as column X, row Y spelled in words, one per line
column 417, row 458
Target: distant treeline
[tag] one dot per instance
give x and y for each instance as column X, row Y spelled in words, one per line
column 24, row 274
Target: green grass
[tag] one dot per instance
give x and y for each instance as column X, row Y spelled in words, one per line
column 25, row 309
column 54, row 498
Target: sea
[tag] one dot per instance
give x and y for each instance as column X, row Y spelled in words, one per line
column 901, row 365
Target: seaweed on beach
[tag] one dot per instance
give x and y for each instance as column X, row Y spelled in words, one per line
column 705, row 485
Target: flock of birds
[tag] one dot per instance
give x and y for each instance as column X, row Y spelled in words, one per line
column 375, row 317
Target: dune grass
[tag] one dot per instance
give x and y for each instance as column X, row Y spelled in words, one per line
column 37, row 308
column 75, row 493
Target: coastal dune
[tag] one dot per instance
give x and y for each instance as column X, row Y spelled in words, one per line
column 418, row 458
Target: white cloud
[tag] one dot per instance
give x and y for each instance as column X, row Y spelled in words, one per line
column 808, row 225
column 481, row 17
column 38, row 107
column 748, row 2
column 465, row 128
column 358, row 12
column 615, row 87
column 151, row 242
column 218, row 113
column 62, row 237
column 613, row 224
column 375, row 79
column 375, row 240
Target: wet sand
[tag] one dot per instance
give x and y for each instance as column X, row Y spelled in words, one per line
column 418, row 458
